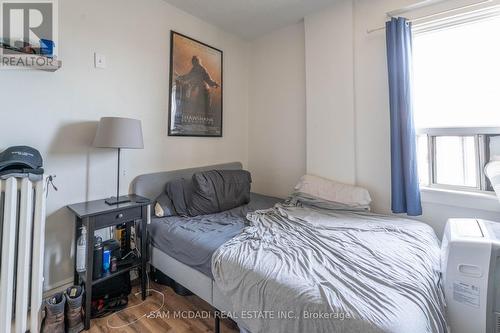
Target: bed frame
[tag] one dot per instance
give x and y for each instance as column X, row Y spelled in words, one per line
column 150, row 186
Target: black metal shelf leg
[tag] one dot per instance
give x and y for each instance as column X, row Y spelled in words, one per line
column 217, row 321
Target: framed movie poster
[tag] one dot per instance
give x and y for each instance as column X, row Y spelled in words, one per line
column 195, row 101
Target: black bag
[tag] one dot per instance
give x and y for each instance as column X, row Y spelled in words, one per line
column 110, row 296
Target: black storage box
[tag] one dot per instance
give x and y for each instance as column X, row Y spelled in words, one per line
column 158, row 277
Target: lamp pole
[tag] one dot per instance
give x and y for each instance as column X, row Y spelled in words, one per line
column 118, row 178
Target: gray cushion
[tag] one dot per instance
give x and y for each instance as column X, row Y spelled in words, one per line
column 164, row 206
column 219, row 190
column 152, row 184
column 180, row 191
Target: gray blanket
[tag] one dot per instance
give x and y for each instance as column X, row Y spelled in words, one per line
column 304, row 269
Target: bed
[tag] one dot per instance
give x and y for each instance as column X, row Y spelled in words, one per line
column 337, row 271
column 350, row 271
column 180, row 250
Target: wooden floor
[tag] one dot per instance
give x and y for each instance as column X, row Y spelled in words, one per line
column 176, row 315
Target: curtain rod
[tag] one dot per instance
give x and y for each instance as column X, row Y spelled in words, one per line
column 390, row 15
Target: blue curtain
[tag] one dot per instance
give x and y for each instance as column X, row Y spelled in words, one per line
column 404, row 176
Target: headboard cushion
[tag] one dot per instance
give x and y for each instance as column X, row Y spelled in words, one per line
column 152, row 184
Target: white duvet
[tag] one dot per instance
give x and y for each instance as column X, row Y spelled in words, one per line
column 304, row 269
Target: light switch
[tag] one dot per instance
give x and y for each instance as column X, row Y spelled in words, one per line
column 99, row 60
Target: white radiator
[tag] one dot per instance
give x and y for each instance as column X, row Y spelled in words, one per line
column 22, row 230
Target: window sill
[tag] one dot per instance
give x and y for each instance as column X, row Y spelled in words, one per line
column 472, row 200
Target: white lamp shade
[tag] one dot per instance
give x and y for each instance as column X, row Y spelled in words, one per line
column 116, row 132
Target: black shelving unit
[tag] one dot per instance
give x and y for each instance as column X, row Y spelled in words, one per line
column 95, row 215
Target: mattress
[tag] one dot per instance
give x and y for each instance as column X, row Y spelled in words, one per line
column 193, row 240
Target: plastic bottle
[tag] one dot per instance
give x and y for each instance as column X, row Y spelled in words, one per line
column 81, row 252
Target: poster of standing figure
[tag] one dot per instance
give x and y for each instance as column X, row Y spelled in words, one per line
column 195, row 103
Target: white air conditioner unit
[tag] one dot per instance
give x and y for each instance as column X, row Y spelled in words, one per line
column 471, row 269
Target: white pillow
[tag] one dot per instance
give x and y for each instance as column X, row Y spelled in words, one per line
column 333, row 191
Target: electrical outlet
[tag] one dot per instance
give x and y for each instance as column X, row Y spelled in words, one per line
column 99, row 60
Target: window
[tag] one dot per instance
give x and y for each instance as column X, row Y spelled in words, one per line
column 460, row 152
column 457, row 102
column 455, row 157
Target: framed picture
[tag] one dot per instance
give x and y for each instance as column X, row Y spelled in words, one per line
column 195, row 97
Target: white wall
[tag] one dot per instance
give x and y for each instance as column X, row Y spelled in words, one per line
column 330, row 93
column 57, row 112
column 277, row 143
column 332, row 103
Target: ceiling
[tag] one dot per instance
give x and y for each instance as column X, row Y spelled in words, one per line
column 250, row 19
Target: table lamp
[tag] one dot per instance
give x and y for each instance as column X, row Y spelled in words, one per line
column 118, row 133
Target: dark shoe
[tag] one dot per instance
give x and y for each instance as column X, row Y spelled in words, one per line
column 74, row 313
column 54, row 314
